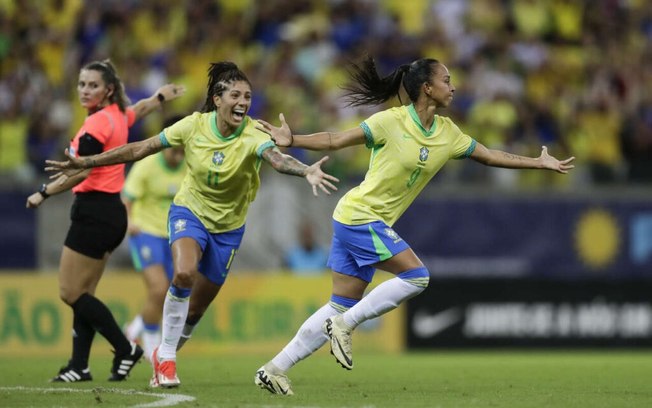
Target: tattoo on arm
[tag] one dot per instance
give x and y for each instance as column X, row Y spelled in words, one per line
column 284, row 163
column 125, row 153
column 511, row 156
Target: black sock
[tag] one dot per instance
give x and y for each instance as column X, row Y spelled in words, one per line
column 95, row 313
column 82, row 338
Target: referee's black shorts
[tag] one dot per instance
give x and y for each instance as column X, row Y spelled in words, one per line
column 99, row 224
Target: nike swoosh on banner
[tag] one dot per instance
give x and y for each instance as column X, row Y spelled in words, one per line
column 425, row 324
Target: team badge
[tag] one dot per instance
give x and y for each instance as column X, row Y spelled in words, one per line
column 146, row 253
column 392, row 234
column 423, row 154
column 218, row 158
column 179, row 225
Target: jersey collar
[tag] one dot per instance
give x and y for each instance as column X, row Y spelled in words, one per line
column 238, row 131
column 415, row 118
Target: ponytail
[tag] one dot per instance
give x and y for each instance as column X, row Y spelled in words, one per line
column 370, row 89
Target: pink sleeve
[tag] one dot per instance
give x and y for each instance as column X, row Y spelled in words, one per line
column 131, row 116
column 99, row 127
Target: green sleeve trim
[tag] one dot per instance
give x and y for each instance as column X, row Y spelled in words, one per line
column 369, row 137
column 469, row 151
column 163, row 139
column 263, row 147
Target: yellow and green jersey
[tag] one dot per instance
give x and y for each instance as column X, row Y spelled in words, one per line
column 151, row 185
column 222, row 177
column 404, row 157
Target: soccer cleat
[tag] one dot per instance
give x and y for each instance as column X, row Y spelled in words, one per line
column 123, row 364
column 165, row 372
column 274, row 383
column 70, row 374
column 166, row 376
column 340, row 336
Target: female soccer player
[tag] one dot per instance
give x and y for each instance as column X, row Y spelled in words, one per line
column 207, row 219
column 99, row 219
column 409, row 145
column 148, row 192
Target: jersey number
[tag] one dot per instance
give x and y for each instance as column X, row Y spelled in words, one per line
column 212, row 178
column 413, row 177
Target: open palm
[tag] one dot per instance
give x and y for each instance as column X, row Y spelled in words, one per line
column 282, row 136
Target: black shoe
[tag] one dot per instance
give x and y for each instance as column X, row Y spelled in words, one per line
column 122, row 364
column 71, row 374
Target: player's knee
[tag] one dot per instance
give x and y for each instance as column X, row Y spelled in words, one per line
column 417, row 277
column 184, row 277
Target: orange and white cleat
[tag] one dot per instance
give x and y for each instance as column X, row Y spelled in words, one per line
column 165, row 372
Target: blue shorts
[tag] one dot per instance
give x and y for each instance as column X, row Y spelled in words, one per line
column 147, row 250
column 218, row 250
column 355, row 248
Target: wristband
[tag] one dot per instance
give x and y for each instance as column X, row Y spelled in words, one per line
column 160, row 97
column 43, row 191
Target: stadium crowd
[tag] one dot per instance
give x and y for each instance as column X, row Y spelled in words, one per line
column 573, row 75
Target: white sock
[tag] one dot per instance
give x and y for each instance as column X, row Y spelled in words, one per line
column 151, row 339
column 134, row 328
column 308, row 339
column 186, row 334
column 383, row 298
column 175, row 311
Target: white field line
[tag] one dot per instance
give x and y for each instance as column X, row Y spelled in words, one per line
column 166, row 400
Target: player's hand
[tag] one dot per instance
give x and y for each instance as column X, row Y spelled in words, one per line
column 282, row 136
column 317, row 178
column 72, row 163
column 550, row 162
column 65, row 169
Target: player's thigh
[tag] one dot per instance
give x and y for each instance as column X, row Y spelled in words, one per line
column 186, row 254
column 78, row 274
column 401, row 262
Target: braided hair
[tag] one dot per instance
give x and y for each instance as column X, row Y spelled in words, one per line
column 220, row 75
column 370, row 89
column 110, row 77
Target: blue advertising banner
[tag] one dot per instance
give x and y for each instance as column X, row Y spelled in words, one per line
column 537, row 237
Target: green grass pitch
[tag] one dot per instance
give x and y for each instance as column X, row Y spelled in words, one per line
column 435, row 379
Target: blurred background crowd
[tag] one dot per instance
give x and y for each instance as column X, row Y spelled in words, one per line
column 573, row 75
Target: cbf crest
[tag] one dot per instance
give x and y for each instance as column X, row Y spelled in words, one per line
column 392, row 234
column 218, row 158
column 423, row 154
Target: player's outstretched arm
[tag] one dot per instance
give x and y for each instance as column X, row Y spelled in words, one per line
column 287, row 164
column 122, row 154
column 283, row 137
column 499, row 158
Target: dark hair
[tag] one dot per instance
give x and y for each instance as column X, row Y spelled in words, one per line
column 110, row 77
column 220, row 75
column 370, row 89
